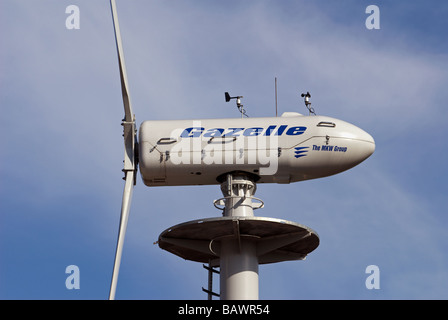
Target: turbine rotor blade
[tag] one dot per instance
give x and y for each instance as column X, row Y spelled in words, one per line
column 126, row 204
column 129, row 116
column 130, row 159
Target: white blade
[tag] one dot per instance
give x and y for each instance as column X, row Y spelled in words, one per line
column 130, row 165
column 126, row 204
column 124, row 81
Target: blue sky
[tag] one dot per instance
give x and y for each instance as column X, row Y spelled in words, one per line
column 62, row 150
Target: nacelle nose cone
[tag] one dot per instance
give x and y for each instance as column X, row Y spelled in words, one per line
column 345, row 147
column 367, row 147
column 370, row 148
column 362, row 143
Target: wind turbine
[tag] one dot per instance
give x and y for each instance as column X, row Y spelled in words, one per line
column 238, row 154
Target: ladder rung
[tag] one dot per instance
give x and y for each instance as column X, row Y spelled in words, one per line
column 210, row 269
column 210, row 292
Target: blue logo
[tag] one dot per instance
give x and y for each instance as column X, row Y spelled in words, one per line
column 272, row 130
column 300, row 152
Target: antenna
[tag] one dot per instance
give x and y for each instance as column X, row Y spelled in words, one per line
column 276, row 111
column 238, row 103
column 307, row 97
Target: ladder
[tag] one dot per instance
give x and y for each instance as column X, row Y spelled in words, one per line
column 209, row 290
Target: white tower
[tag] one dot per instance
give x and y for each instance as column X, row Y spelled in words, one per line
column 238, row 241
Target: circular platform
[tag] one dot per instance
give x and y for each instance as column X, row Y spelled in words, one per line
column 277, row 240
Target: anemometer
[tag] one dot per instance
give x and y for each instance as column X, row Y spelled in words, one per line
column 307, row 97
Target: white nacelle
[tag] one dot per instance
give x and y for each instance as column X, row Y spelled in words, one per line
column 282, row 149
